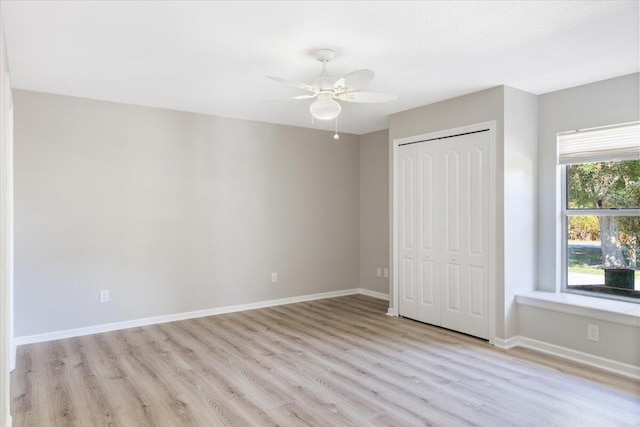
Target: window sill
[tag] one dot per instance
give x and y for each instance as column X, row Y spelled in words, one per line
column 621, row 312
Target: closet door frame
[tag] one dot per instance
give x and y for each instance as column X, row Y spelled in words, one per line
column 447, row 133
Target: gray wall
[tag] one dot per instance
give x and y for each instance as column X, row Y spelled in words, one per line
column 520, row 199
column 374, row 210
column 597, row 104
column 173, row 212
column 618, row 342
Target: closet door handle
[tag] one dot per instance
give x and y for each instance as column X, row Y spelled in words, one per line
column 453, row 258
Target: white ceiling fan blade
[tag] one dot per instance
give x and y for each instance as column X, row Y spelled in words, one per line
column 353, row 80
column 294, row 83
column 292, row 98
column 366, row 97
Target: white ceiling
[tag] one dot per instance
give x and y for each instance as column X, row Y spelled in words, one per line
column 211, row 57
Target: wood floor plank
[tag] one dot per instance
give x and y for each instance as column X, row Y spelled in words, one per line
column 338, row 361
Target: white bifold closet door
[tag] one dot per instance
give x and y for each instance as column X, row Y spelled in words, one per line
column 443, row 229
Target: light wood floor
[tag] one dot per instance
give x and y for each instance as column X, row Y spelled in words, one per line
column 338, row 361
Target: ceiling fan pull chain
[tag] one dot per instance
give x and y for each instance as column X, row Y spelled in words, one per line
column 336, row 136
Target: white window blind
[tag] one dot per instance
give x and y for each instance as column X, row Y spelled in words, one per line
column 619, row 142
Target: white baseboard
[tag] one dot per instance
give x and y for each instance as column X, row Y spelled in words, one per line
column 96, row 329
column 570, row 354
column 391, row 312
column 373, row 294
column 505, row 344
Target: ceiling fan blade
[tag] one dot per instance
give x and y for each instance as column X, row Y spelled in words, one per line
column 366, row 97
column 292, row 98
column 294, row 83
column 353, row 80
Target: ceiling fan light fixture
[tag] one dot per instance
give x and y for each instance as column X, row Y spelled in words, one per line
column 325, row 108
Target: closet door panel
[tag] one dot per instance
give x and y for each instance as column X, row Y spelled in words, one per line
column 427, row 214
column 452, row 197
column 477, row 290
column 452, row 288
column 478, row 243
column 466, row 250
column 428, row 292
column 477, row 214
column 407, row 232
column 478, row 254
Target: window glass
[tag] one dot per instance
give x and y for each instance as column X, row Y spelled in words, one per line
column 609, row 267
column 602, row 229
column 604, row 185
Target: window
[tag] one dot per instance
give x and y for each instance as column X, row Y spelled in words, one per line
column 601, row 211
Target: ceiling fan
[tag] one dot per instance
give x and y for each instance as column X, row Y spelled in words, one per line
column 327, row 90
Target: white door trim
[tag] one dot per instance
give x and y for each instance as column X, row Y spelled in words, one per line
column 395, row 144
column 6, row 238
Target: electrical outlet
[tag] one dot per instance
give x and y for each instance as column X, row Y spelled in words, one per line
column 274, row 277
column 379, row 272
column 593, row 332
column 386, row 273
column 104, row 295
